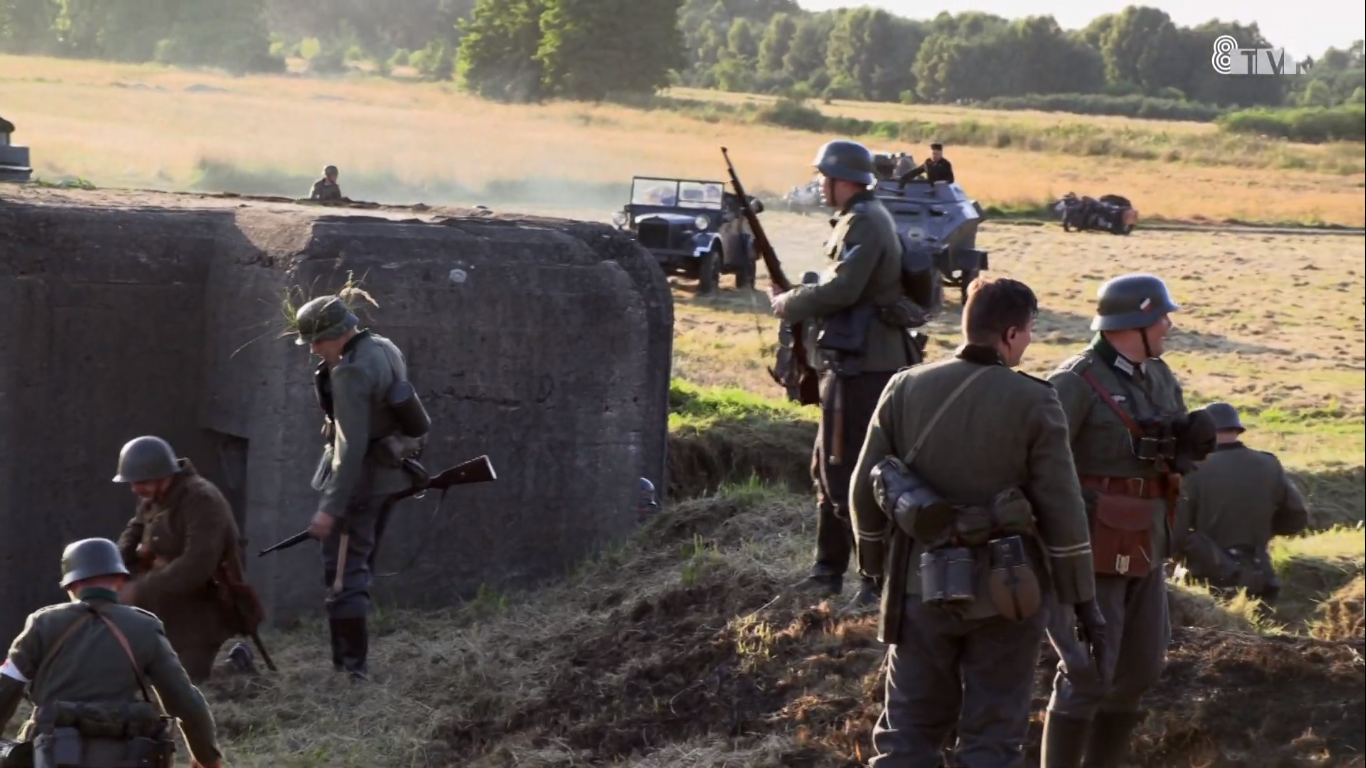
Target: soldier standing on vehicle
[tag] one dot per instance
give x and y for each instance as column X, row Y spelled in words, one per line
column 88, row 664
column 182, row 531
column 972, row 524
column 936, row 169
column 860, row 352
column 326, row 188
column 1132, row 439
column 363, row 463
column 1231, row 508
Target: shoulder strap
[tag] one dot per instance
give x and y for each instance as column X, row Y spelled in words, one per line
column 57, row 646
column 127, row 649
column 943, row 406
column 1109, row 400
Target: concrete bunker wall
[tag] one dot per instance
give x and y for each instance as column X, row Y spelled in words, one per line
column 544, row 344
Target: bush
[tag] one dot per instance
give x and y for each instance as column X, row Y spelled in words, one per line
column 1145, row 107
column 1314, row 125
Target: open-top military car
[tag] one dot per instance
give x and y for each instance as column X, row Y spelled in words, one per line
column 941, row 220
column 693, row 228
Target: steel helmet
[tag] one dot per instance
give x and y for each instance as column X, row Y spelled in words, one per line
column 146, row 458
column 845, row 160
column 89, row 558
column 1130, row 302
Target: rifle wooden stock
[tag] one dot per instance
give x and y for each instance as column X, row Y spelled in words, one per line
column 807, row 380
column 478, row 470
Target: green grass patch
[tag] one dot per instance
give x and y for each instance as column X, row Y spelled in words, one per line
column 1132, row 105
column 1313, row 567
column 1312, row 125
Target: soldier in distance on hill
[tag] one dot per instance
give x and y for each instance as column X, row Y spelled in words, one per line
column 326, row 189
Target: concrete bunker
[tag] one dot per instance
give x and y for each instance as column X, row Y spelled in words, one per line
column 543, row 343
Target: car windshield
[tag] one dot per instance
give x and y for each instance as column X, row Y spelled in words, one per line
column 677, row 194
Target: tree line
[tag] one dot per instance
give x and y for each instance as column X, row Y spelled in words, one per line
column 1136, row 62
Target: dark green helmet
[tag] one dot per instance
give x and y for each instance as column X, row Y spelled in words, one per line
column 146, row 458
column 1225, row 417
column 845, row 160
column 323, row 318
column 89, row 558
column 1131, row 301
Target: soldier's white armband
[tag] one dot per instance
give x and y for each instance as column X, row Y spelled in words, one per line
column 12, row 672
column 1076, row 550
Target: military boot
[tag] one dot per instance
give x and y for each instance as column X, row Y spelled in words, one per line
column 821, row 585
column 355, row 647
column 869, row 597
column 1109, row 742
column 336, row 629
column 242, row 660
column 1064, row 741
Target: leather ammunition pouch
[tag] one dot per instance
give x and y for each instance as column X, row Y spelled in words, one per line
column 840, row 340
column 1122, row 523
column 102, row 735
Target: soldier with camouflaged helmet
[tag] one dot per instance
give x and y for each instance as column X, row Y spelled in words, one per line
column 182, row 531
column 856, row 352
column 1132, row 440
column 87, row 666
column 362, row 387
column 1231, row 508
column 326, row 188
column 966, row 499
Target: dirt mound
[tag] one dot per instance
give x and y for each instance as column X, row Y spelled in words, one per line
column 1340, row 616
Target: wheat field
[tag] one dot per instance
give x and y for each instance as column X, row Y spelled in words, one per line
column 147, row 126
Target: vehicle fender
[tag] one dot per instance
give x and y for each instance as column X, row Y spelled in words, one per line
column 703, row 241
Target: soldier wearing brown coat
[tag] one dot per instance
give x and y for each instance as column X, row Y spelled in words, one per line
column 966, row 499
column 1231, row 508
column 1132, row 440
column 182, row 531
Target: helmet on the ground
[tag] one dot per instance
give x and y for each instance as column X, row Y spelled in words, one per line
column 146, row 458
column 1131, row 301
column 89, row 558
column 1225, row 417
column 845, row 160
column 323, row 318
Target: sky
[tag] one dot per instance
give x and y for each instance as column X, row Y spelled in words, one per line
column 1301, row 30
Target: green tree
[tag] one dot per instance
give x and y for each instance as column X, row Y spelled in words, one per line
column 741, row 42
column 26, row 26
column 805, row 57
column 1143, row 47
column 497, row 57
column 132, row 28
column 776, row 42
column 592, row 48
column 1200, row 82
column 875, row 50
column 224, row 33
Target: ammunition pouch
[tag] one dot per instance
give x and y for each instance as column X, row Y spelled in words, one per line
column 408, row 410
column 1227, row 569
column 1122, row 524
column 102, row 735
column 1012, row 585
column 948, row 577
column 903, row 314
column 840, row 340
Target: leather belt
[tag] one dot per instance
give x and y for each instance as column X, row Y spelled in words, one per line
column 1137, row 487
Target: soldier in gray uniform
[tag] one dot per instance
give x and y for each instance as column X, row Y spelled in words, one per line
column 1132, row 440
column 368, row 457
column 88, row 665
column 326, row 188
column 972, row 525
column 857, row 352
column 1231, row 508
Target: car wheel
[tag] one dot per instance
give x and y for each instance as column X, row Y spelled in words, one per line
column 709, row 271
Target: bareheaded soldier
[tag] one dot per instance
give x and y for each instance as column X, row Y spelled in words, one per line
column 865, row 252
column 966, row 498
column 182, row 532
column 93, row 660
column 366, row 428
column 327, row 187
column 1132, row 439
column 1231, row 508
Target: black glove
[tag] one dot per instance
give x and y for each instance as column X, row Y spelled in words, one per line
column 1195, row 439
column 1091, row 632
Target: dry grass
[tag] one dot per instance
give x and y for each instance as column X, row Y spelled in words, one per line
column 123, row 125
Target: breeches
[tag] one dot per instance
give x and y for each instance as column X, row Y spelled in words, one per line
column 353, row 601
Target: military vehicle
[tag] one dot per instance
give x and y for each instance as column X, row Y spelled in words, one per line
column 806, row 198
column 1113, row 213
column 14, row 160
column 693, row 228
column 941, row 220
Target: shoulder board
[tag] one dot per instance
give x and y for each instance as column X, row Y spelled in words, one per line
column 1269, row 455
column 146, row 613
column 1075, row 364
column 54, row 608
column 1044, row 382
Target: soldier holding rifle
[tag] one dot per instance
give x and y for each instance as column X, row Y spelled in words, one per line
column 374, row 428
column 856, row 352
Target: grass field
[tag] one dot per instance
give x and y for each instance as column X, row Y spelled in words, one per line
column 122, row 125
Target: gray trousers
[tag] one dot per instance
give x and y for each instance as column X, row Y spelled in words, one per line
column 1137, row 631
column 974, row 676
column 353, row 602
